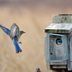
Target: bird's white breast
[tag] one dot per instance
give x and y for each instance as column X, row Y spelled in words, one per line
column 14, row 31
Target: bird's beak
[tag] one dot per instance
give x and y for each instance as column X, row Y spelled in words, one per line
column 24, row 32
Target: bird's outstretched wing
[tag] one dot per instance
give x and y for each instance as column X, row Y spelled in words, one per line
column 17, row 47
column 6, row 30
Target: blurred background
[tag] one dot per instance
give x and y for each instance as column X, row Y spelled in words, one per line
column 32, row 16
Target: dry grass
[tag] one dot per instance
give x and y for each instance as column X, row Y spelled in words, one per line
column 33, row 22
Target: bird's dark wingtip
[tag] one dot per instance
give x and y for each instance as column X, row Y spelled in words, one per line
column 19, row 51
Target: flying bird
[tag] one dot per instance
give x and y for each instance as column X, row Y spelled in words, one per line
column 14, row 33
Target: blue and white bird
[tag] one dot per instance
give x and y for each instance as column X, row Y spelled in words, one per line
column 14, row 33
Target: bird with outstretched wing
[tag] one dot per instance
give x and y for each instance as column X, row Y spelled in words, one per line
column 14, row 33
